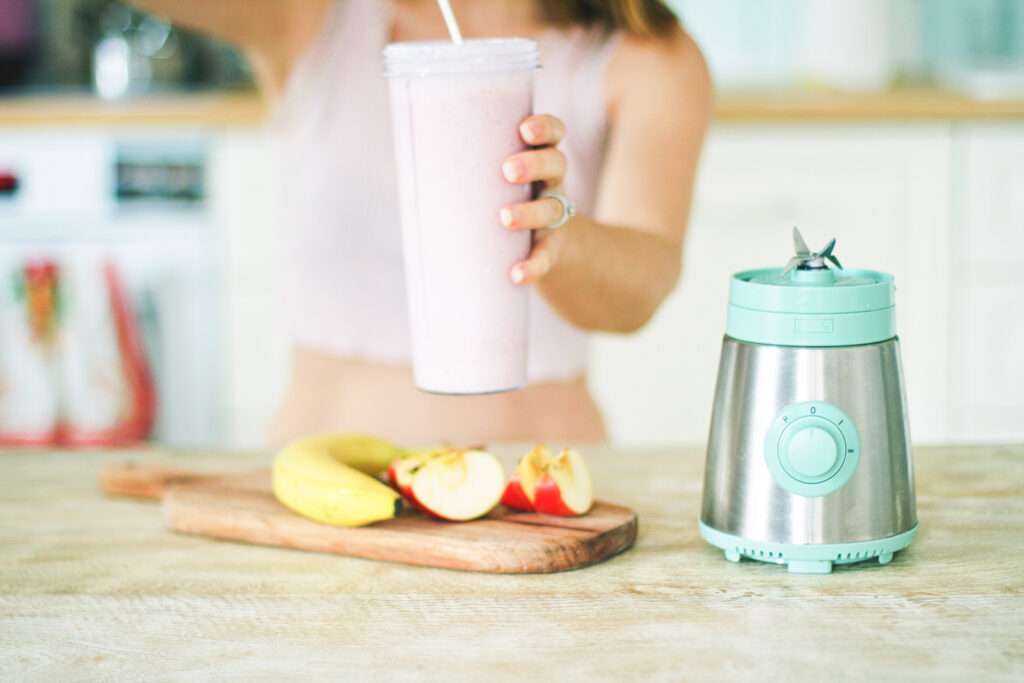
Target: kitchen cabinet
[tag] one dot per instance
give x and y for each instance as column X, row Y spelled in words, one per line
column 986, row 327
column 938, row 204
column 134, row 197
column 204, row 270
column 245, row 205
column 882, row 191
column 76, row 168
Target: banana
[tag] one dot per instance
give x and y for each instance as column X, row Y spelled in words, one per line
column 327, row 478
column 368, row 454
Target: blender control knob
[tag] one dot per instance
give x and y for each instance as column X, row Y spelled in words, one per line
column 812, row 452
column 812, row 448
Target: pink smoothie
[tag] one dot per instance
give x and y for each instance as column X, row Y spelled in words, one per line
column 452, row 132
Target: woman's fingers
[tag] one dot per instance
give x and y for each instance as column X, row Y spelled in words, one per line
column 541, row 258
column 541, row 130
column 545, row 165
column 540, row 213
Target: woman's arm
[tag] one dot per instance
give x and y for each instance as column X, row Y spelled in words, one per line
column 612, row 270
column 274, row 34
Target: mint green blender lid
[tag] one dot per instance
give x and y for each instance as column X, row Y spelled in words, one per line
column 808, row 303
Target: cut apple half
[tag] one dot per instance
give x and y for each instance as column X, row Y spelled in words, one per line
column 459, row 485
column 401, row 470
column 564, row 487
column 519, row 492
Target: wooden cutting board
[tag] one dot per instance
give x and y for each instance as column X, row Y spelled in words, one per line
column 242, row 507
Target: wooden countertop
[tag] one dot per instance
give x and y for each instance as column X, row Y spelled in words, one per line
column 214, row 109
column 96, row 588
column 898, row 105
column 247, row 109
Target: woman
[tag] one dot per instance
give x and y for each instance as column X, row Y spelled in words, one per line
column 623, row 100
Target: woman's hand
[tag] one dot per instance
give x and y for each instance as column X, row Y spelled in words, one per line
column 544, row 165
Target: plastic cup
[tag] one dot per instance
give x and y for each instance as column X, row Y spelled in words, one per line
column 456, row 111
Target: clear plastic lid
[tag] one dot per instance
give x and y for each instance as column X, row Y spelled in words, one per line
column 433, row 57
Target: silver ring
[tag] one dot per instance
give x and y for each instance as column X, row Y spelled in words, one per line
column 568, row 210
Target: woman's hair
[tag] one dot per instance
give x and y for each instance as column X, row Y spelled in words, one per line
column 643, row 18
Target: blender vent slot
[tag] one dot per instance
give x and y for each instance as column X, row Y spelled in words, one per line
column 866, row 555
column 754, row 552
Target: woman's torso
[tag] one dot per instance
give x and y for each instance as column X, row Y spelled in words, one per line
column 344, row 293
column 330, row 393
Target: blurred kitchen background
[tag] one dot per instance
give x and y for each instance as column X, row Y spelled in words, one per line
column 138, row 216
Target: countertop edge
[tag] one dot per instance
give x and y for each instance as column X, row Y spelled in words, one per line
column 248, row 109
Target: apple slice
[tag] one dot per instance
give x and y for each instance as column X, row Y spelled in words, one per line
column 520, row 489
column 401, row 470
column 459, row 485
column 564, row 487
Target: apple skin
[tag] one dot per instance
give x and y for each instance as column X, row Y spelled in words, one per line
column 519, row 492
column 393, row 474
column 514, row 496
column 564, row 480
column 547, row 498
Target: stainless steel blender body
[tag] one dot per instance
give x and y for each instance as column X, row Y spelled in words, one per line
column 756, row 384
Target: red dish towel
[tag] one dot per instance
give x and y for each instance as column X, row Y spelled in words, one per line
column 73, row 371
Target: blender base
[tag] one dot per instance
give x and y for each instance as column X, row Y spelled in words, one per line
column 807, row 559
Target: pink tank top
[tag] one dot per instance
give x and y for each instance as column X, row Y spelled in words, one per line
column 344, row 291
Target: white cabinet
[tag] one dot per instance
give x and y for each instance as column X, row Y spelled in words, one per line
column 986, row 359
column 88, row 195
column 245, row 205
column 64, row 174
column 882, row 190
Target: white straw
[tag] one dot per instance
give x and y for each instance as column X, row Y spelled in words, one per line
column 449, row 20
